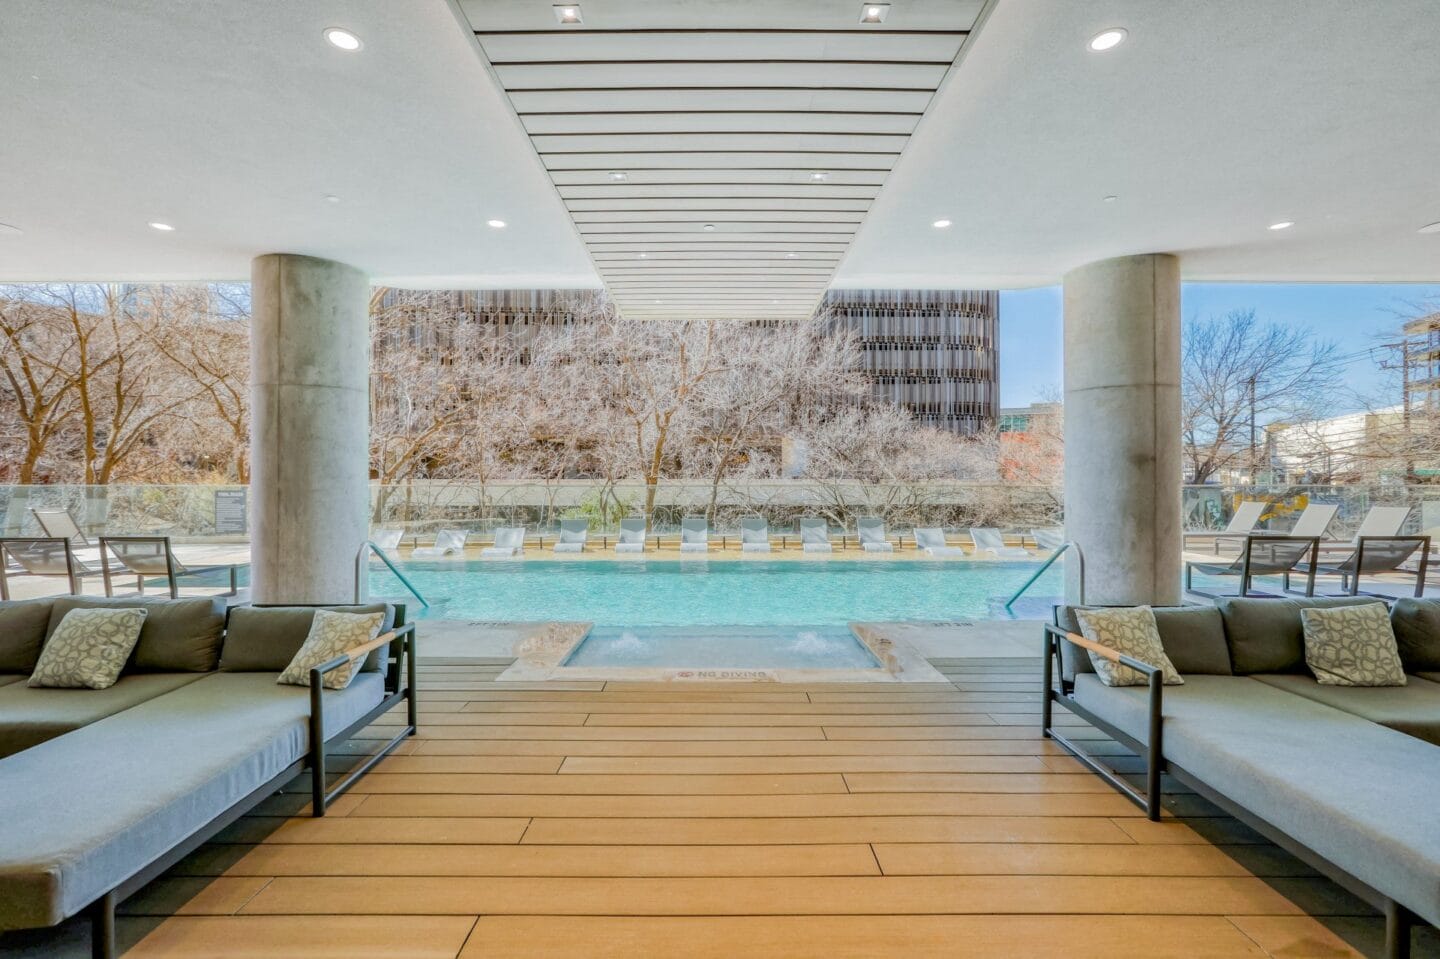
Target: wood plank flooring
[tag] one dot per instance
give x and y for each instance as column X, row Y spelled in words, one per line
column 638, row 820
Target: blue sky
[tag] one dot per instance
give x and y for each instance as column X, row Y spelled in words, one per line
column 1355, row 316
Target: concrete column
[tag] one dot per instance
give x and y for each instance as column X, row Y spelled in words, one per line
column 1122, row 429
column 310, row 428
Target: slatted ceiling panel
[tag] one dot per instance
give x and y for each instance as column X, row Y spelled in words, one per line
column 718, row 114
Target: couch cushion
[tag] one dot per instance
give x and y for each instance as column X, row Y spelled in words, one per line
column 1350, row 789
column 1130, row 631
column 332, row 634
column 266, row 638
column 1352, row 646
column 89, row 648
column 1413, row 709
column 1417, row 633
column 22, row 633
column 30, row 716
column 1433, row 677
column 1128, row 707
column 6, row 680
column 179, row 636
column 103, row 802
column 1193, row 637
column 1265, row 635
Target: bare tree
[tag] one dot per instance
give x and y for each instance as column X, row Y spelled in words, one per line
column 1238, row 375
column 36, row 360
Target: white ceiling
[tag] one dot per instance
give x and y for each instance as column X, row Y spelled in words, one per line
column 1213, row 120
column 233, row 121
column 719, row 116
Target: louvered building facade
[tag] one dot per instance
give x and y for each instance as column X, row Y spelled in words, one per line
column 932, row 352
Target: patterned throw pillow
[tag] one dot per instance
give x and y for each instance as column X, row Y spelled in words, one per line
column 1130, row 630
column 331, row 634
column 1352, row 646
column 88, row 649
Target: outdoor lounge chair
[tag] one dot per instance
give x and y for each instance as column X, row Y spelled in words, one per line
column 632, row 536
column 387, row 538
column 572, row 536
column 754, row 535
column 43, row 556
column 1263, row 556
column 59, row 523
column 1048, row 538
column 988, row 540
column 509, row 540
column 1314, row 520
column 152, row 556
column 932, row 541
column 447, row 541
column 1384, row 521
column 1379, row 554
column 694, row 535
column 815, row 535
column 1242, row 524
column 871, row 530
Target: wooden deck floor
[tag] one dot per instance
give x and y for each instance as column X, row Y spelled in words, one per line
column 754, row 821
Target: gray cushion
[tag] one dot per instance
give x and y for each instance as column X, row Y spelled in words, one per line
column 1432, row 676
column 22, row 633
column 179, row 635
column 104, row 801
column 1193, row 636
column 1266, row 635
column 1357, row 793
column 1413, row 709
column 29, row 715
column 1417, row 633
column 266, row 638
column 6, row 680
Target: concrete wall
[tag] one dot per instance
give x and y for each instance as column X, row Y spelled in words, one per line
column 309, row 364
column 1122, row 429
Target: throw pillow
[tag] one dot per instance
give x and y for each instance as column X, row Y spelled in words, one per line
column 1129, row 630
column 1352, row 646
column 331, row 634
column 88, row 649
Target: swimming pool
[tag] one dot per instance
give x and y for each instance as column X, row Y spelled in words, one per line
column 715, row 592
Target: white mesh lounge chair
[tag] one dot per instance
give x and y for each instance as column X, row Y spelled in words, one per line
column 1382, row 521
column 447, row 543
column 387, row 538
column 815, row 535
column 1049, row 538
column 572, row 536
column 1263, row 556
column 988, row 540
column 872, row 535
column 1314, row 520
column 932, row 541
column 632, row 536
column 45, row 556
column 754, row 535
column 58, row 523
column 509, row 540
column 694, row 535
column 152, row 556
column 1378, row 554
column 1242, row 524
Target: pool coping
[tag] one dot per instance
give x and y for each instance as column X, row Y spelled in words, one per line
column 540, row 656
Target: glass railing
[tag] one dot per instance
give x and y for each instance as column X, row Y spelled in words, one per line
column 186, row 513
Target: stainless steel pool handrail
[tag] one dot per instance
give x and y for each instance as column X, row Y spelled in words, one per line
column 369, row 547
column 1068, row 544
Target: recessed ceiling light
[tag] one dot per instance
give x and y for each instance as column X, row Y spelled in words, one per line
column 644, row 255
column 819, row 177
column 1108, row 39
column 1282, row 225
column 708, row 228
column 343, row 39
column 568, row 14
column 331, row 198
column 1431, row 228
column 162, row 227
column 8, row 230
column 659, row 301
column 1111, row 198
column 496, row 224
column 619, row 177
column 874, row 12
column 940, row 224
column 791, row 256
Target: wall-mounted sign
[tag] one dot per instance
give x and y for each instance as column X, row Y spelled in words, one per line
column 230, row 512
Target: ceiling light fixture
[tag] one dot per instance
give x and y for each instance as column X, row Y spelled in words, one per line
column 874, row 12
column 331, row 198
column 7, row 230
column 568, row 14
column 791, row 256
column 1430, row 228
column 1108, row 39
column 162, row 227
column 619, row 177
column 819, row 177
column 940, row 224
column 495, row 224
column 342, row 39
column 1282, row 225
column 708, row 228
column 644, row 255
column 1111, row 198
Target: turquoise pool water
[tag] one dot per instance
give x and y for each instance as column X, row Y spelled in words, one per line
column 723, row 647
column 738, row 592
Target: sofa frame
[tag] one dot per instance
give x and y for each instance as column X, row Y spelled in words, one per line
column 1399, row 921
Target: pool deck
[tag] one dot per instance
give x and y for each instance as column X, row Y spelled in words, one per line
column 591, row 819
